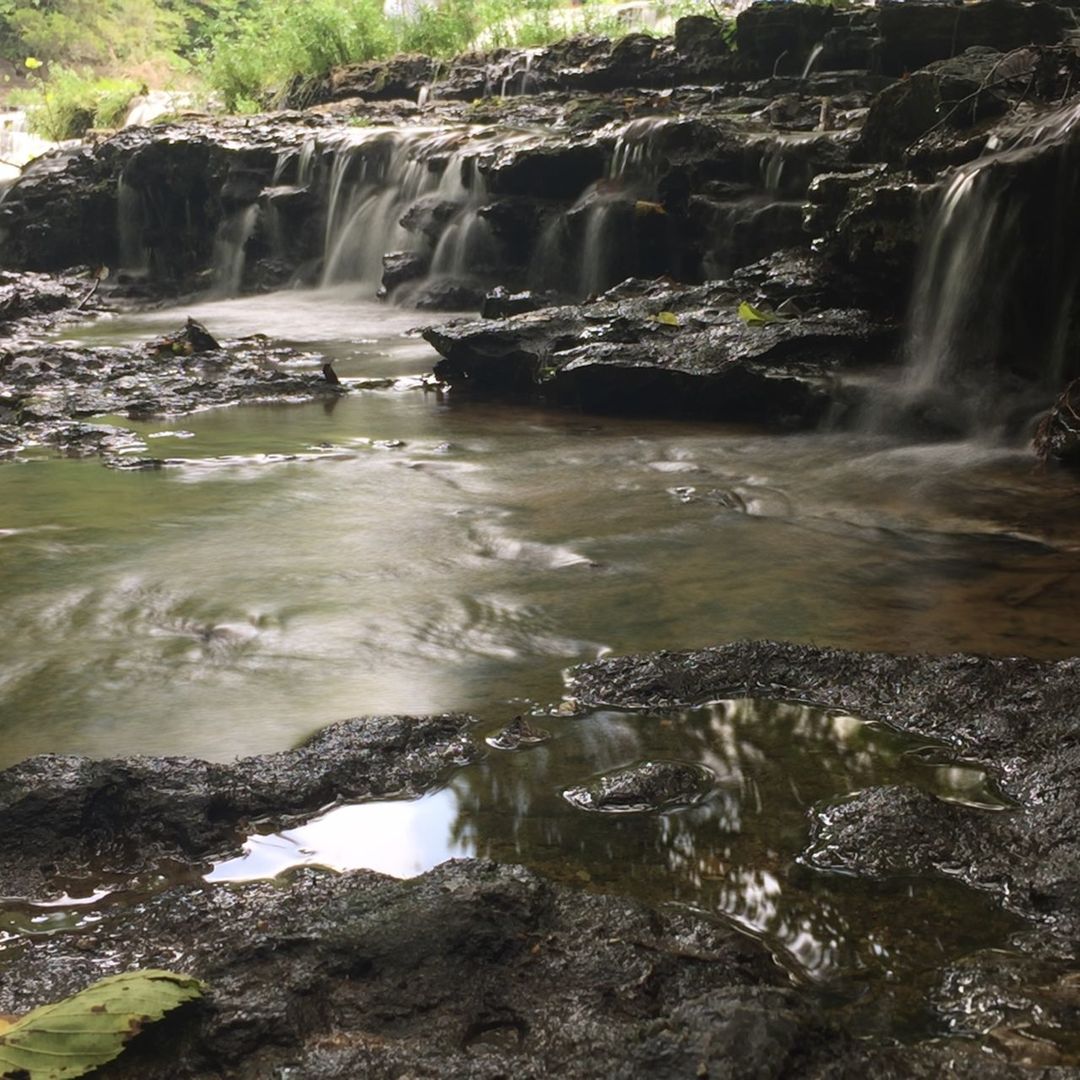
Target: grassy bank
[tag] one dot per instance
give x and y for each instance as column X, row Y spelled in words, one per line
column 84, row 60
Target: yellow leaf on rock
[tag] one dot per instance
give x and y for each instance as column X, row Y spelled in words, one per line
column 753, row 316
column 667, row 318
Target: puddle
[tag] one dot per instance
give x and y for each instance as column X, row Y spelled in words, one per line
column 725, row 839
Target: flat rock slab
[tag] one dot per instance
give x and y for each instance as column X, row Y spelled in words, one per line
column 657, row 347
column 49, row 390
column 472, row 970
column 58, row 814
column 1020, row 719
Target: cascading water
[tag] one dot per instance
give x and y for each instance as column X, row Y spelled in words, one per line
column 18, row 145
column 589, row 244
column 230, row 250
column 380, row 179
column 131, row 218
column 998, row 276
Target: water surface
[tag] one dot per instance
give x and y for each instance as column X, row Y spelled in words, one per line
column 406, row 551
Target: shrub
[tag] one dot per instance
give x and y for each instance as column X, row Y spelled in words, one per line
column 69, row 103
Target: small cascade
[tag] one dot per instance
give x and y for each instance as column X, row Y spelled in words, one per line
column 131, row 227
column 811, row 60
column 596, row 243
column 18, row 145
column 999, row 275
column 230, row 250
column 375, row 181
column 516, row 73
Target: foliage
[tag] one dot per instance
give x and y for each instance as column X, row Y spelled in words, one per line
column 72, row 1037
column 249, row 51
column 70, row 103
column 93, row 32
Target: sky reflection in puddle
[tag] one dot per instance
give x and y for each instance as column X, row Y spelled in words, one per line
column 733, row 853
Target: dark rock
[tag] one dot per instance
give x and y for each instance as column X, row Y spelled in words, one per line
column 546, row 170
column 49, row 386
column 916, row 34
column 1058, row 432
column 955, row 92
column 429, row 215
column 518, row 733
column 697, row 35
column 660, row 348
column 778, row 38
column 500, row 303
column 1018, row 718
column 402, row 266
column 472, row 970
column 448, row 295
column 66, row 811
column 650, row 785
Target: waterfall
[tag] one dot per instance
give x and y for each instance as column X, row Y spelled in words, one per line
column 376, row 179
column 593, row 245
column 18, row 145
column 131, row 225
column 999, row 272
column 230, row 250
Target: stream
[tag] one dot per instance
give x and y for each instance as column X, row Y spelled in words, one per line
column 404, row 551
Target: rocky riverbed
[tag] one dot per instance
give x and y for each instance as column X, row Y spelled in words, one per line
column 476, row 968
column 552, row 175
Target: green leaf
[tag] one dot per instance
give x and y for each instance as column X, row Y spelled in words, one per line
column 71, row 1037
column 753, row 316
column 667, row 318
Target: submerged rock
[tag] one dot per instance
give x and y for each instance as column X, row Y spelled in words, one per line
column 650, row 785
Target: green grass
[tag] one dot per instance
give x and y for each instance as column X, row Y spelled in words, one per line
column 70, row 103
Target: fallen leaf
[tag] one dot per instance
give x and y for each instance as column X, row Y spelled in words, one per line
column 667, row 318
column 72, row 1037
column 753, row 316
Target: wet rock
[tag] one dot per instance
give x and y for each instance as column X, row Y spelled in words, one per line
column 700, row 35
column 61, row 812
column 400, row 267
column 1017, row 717
column 449, row 295
column 500, row 303
column 916, row 34
column 661, row 348
column 1058, row 433
column 470, row 970
column 650, row 785
column 955, row 92
column 879, row 233
column 778, row 38
column 30, row 303
column 547, row 170
column 50, row 387
column 518, row 733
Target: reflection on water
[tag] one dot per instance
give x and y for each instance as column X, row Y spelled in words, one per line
column 733, row 853
column 410, row 552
